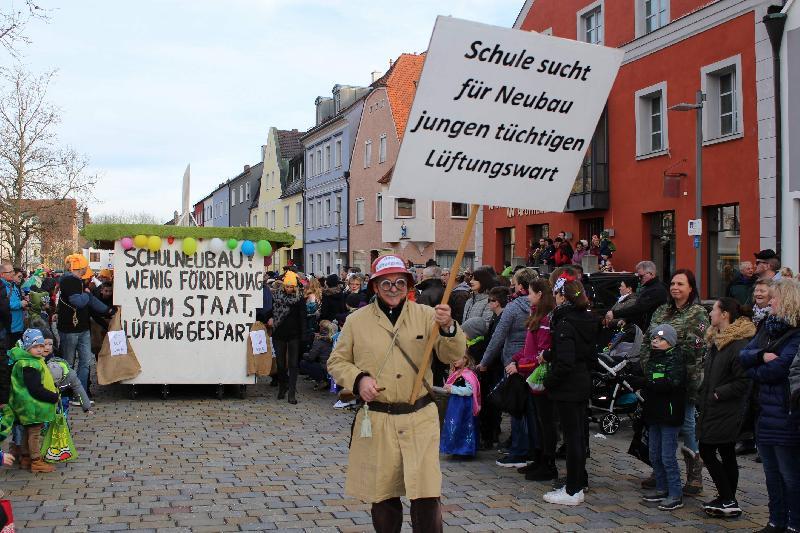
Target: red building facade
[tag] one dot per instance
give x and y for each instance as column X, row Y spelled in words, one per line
column 638, row 179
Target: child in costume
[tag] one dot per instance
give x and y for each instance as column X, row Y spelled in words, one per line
column 64, row 378
column 460, row 429
column 33, row 397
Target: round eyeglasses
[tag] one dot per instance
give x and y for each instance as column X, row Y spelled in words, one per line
column 400, row 284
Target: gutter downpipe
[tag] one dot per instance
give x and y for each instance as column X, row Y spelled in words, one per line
column 774, row 22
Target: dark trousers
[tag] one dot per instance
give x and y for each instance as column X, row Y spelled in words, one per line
column 573, row 423
column 490, row 416
column 547, row 424
column 725, row 473
column 426, row 516
column 314, row 370
column 287, row 353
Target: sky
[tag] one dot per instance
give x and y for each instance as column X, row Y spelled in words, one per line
column 146, row 87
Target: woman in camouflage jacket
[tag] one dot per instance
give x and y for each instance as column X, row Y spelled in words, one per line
column 690, row 319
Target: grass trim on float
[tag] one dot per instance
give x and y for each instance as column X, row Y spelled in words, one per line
column 113, row 232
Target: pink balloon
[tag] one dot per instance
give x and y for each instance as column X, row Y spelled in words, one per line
column 127, row 243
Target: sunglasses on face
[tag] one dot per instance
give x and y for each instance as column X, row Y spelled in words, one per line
column 399, row 284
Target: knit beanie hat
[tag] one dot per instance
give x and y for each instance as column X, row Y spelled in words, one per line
column 666, row 332
column 31, row 338
column 473, row 327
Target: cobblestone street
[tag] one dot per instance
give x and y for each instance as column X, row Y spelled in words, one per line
column 193, row 463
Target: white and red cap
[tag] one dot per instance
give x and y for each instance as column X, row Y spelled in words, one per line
column 390, row 264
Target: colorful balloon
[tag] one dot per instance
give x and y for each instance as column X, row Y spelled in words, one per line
column 248, row 248
column 232, row 244
column 126, row 243
column 264, row 247
column 170, row 239
column 140, row 241
column 189, row 246
column 154, row 243
column 216, row 245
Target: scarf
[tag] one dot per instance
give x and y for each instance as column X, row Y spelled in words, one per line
column 775, row 326
column 470, row 377
column 282, row 304
column 760, row 313
column 741, row 328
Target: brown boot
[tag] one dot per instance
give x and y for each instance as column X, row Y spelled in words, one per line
column 694, row 474
column 25, row 462
column 39, row 466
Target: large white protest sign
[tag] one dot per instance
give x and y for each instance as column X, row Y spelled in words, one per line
column 502, row 116
column 188, row 317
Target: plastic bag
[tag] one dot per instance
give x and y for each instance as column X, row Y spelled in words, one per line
column 6, row 517
column 537, row 377
column 57, row 445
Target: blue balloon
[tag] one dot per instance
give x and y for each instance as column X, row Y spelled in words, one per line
column 248, row 248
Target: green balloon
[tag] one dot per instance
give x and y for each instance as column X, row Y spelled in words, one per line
column 232, row 244
column 264, row 248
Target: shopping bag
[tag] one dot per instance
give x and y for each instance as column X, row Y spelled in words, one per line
column 537, row 377
column 510, row 395
column 260, row 364
column 6, row 517
column 57, row 445
column 114, row 368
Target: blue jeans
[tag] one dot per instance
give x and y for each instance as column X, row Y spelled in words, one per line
column 688, row 429
column 78, row 345
column 519, row 437
column 782, row 470
column 663, row 450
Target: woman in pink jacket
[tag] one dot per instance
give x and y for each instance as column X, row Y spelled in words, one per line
column 537, row 340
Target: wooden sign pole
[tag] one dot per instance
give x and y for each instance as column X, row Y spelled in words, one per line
column 434, row 336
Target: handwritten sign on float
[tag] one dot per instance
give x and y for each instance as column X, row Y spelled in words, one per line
column 188, row 316
column 502, row 116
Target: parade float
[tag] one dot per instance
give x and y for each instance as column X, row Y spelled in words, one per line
column 187, row 298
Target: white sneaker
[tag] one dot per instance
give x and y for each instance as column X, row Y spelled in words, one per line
column 341, row 405
column 561, row 497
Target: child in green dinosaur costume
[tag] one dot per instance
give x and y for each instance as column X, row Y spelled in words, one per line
column 33, row 396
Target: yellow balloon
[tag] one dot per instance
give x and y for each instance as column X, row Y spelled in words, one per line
column 189, row 246
column 154, row 243
column 140, row 241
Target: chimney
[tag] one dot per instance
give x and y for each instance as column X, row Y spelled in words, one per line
column 246, row 168
column 391, row 62
column 376, row 75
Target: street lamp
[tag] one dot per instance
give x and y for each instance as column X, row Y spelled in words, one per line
column 697, row 107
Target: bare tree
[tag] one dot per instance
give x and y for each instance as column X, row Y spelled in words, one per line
column 42, row 186
column 13, row 20
column 124, row 217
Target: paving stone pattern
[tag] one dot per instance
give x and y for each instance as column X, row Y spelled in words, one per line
column 194, row 463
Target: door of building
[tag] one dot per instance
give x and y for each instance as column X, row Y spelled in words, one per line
column 589, row 227
column 662, row 243
column 722, row 248
column 507, row 237
column 534, row 232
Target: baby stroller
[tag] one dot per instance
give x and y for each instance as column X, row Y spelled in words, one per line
column 612, row 391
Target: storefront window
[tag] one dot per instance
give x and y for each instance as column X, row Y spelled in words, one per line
column 507, row 237
column 723, row 248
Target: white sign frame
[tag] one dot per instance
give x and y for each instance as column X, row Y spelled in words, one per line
column 695, row 227
column 189, row 361
column 462, row 83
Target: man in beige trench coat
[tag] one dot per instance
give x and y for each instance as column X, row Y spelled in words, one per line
column 399, row 456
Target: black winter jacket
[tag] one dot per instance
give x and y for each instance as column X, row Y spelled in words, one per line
column 653, row 295
column 320, row 351
column 574, row 335
column 332, row 304
column 430, row 292
column 723, row 393
column 665, row 387
column 294, row 325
